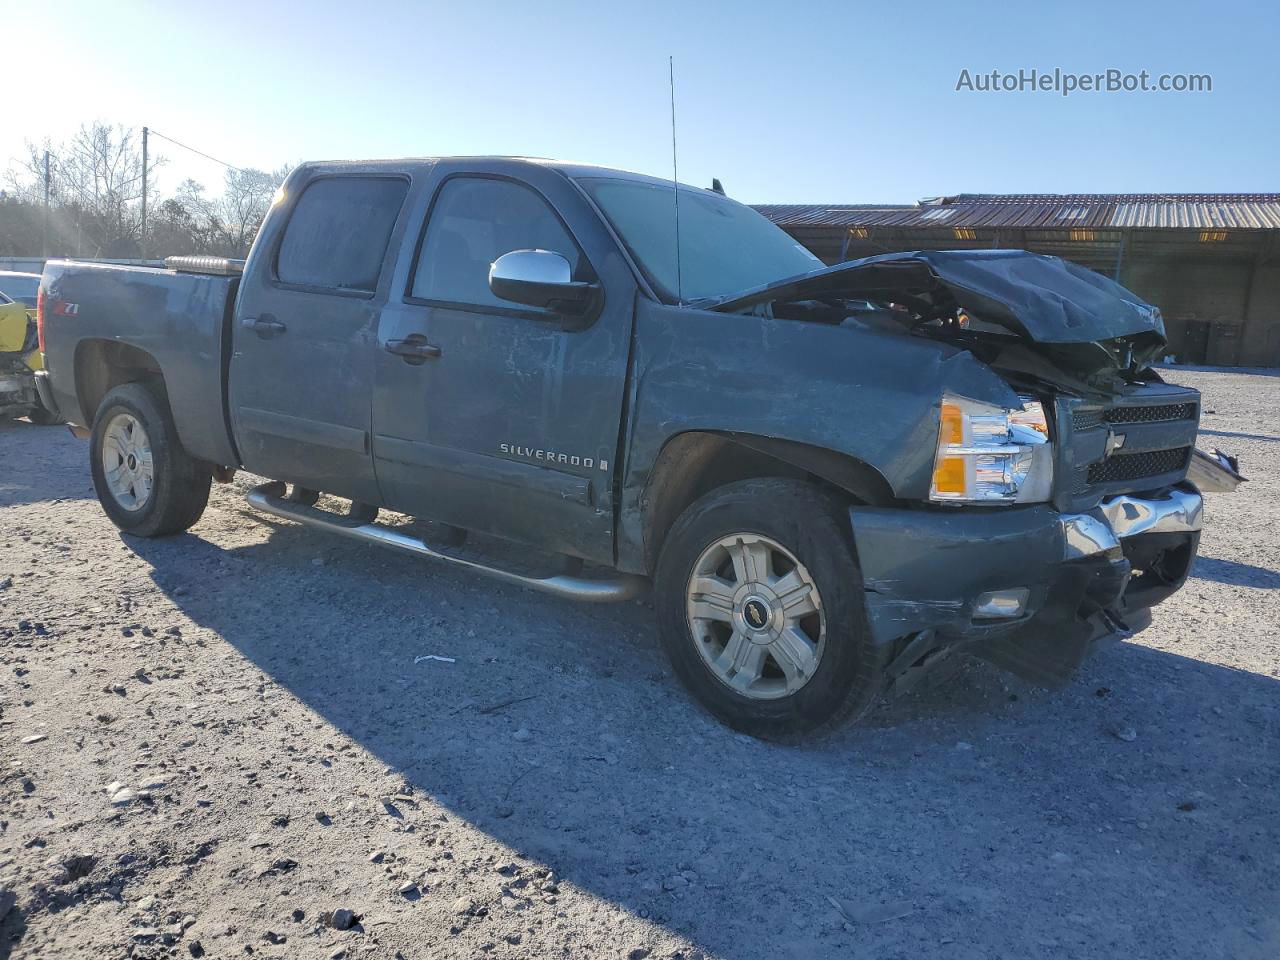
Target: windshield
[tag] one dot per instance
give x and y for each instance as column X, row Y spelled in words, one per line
column 23, row 289
column 725, row 247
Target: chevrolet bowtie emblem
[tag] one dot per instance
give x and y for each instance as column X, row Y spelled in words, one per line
column 1114, row 442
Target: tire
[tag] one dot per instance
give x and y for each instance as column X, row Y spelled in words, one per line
column 844, row 669
column 43, row 417
column 179, row 483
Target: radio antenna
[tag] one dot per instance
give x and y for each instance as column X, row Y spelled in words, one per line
column 675, row 178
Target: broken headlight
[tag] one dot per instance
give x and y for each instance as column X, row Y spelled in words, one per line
column 990, row 454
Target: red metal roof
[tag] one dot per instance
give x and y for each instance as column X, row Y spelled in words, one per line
column 1186, row 211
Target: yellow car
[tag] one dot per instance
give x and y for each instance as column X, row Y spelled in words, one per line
column 19, row 359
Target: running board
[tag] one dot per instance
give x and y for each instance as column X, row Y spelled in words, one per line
column 269, row 498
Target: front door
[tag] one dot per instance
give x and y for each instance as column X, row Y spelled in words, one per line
column 305, row 333
column 506, row 420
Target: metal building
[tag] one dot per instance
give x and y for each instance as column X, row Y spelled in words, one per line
column 1211, row 262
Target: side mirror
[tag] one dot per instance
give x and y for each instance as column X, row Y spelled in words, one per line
column 540, row 278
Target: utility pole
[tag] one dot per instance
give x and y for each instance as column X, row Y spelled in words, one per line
column 44, row 242
column 142, row 240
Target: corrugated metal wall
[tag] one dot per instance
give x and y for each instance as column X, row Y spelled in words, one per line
column 1203, row 305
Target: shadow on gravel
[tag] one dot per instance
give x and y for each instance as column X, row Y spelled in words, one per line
column 1234, row 572
column 1243, row 436
column 34, row 461
column 13, row 924
column 1132, row 814
column 1173, row 371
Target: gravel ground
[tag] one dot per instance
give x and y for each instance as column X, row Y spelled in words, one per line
column 217, row 743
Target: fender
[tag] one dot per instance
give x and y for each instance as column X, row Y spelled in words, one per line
column 692, row 464
column 791, row 389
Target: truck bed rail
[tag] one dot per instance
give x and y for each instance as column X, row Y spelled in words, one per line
column 214, row 266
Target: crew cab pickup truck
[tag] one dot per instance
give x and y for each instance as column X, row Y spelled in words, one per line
column 831, row 477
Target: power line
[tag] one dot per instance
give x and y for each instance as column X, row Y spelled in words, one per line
column 229, row 166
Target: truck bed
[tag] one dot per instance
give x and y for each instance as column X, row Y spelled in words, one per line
column 174, row 320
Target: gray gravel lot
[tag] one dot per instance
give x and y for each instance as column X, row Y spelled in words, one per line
column 212, row 742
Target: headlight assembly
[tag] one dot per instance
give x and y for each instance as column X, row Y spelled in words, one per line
column 989, row 454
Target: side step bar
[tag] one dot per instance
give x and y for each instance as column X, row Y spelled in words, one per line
column 269, row 498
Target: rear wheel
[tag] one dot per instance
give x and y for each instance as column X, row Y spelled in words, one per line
column 146, row 482
column 760, row 605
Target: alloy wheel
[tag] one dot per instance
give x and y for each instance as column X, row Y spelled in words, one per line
column 756, row 616
column 127, row 465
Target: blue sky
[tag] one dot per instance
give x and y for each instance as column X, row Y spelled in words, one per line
column 784, row 102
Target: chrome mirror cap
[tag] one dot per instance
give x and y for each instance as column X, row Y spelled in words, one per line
column 530, row 266
column 544, row 279
column 539, row 278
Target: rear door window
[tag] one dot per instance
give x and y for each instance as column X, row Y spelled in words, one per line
column 337, row 236
column 475, row 221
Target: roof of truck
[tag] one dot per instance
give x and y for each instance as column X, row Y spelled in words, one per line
column 569, row 169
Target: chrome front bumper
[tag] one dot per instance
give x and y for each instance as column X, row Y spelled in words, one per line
column 1180, row 510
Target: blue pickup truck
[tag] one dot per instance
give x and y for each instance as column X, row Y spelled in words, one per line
column 831, row 477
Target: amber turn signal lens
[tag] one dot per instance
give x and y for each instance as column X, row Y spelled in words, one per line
column 949, row 475
column 951, row 430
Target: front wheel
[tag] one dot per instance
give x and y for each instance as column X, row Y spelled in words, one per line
column 760, row 607
column 146, row 482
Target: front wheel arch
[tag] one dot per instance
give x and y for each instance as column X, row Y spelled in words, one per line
column 692, row 464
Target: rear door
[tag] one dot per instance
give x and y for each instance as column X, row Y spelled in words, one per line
column 510, row 425
column 305, row 332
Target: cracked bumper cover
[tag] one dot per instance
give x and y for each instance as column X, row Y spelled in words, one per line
column 1091, row 577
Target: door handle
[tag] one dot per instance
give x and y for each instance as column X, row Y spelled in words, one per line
column 265, row 326
column 413, row 348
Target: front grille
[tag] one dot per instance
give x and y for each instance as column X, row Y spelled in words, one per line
column 1135, row 466
column 1151, row 414
column 1086, row 419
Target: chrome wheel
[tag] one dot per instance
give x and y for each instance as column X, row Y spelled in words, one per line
column 755, row 616
column 126, row 461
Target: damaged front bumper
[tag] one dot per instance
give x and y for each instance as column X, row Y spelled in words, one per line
column 17, row 393
column 1175, row 511
column 1063, row 584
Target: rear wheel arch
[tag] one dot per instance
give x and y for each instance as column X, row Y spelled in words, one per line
column 694, row 463
column 102, row 365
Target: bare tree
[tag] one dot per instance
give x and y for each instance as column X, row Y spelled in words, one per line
column 183, row 224
column 96, row 209
column 98, row 175
column 246, row 198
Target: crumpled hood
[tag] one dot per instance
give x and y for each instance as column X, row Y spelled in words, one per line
column 1048, row 299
